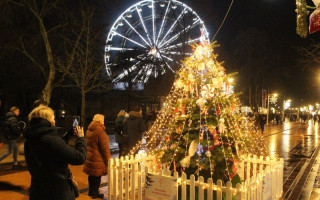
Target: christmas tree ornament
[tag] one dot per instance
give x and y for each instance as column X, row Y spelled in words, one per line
column 208, row 153
column 316, row 2
column 218, row 110
column 221, row 125
column 176, row 111
column 207, row 91
column 217, row 83
column 204, row 110
column 216, row 141
column 183, row 109
column 314, row 24
column 188, row 87
column 192, row 150
column 201, row 102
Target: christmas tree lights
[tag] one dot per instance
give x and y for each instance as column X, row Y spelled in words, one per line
column 200, row 130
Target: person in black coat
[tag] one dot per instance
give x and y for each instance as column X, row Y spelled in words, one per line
column 48, row 155
column 262, row 122
column 133, row 127
column 12, row 132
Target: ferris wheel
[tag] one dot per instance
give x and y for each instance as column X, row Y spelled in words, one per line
column 155, row 35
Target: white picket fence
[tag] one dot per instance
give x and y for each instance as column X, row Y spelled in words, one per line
column 263, row 179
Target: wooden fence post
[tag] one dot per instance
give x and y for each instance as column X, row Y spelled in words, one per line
column 210, row 189
column 184, row 186
column 110, row 166
column 115, row 178
column 176, row 175
column 121, row 179
column 229, row 191
column 140, row 183
column 200, row 188
column 127, row 180
column 239, row 194
column 219, row 190
column 133, row 181
column 192, row 187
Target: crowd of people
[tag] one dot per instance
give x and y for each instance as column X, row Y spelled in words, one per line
column 48, row 154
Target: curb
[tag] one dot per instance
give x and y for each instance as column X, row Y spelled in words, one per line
column 295, row 191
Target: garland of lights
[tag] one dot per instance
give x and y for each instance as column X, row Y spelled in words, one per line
column 200, row 116
column 302, row 11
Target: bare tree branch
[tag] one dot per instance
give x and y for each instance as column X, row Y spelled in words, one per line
column 24, row 51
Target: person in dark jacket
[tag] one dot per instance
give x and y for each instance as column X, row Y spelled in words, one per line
column 98, row 155
column 119, row 130
column 134, row 126
column 12, row 133
column 48, row 155
column 262, row 122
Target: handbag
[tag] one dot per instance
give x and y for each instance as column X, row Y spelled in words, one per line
column 72, row 181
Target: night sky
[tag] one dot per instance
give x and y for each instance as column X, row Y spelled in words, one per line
column 273, row 21
column 276, row 19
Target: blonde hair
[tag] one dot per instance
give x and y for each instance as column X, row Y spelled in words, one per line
column 41, row 112
column 98, row 118
column 13, row 108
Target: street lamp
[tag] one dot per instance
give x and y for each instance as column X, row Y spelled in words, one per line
column 273, row 98
column 286, row 105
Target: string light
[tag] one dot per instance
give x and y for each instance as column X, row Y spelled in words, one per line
column 234, row 129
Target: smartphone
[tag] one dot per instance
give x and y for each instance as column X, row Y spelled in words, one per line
column 75, row 121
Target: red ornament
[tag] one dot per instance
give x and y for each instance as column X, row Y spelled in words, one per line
column 234, row 169
column 183, row 109
column 314, row 21
column 176, row 112
column 218, row 109
column 216, row 141
column 201, row 134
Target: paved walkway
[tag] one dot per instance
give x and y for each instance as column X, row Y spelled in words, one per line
column 14, row 184
column 289, row 140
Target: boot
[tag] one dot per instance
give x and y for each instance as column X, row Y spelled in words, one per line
column 90, row 183
column 95, row 188
column 98, row 196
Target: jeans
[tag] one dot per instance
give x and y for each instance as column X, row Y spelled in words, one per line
column 12, row 147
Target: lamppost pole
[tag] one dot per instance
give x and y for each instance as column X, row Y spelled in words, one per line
column 268, row 108
column 284, row 102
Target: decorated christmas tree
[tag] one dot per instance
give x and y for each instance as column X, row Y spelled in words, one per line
column 201, row 130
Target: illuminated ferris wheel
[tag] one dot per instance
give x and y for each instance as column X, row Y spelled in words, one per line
column 158, row 33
